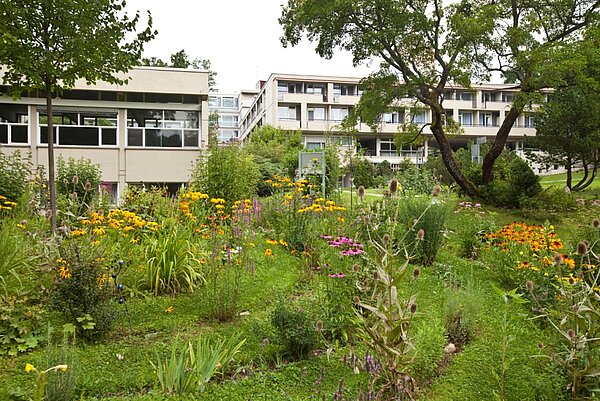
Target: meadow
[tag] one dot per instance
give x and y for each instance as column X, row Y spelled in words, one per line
column 424, row 296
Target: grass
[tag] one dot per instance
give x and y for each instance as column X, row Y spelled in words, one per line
column 118, row 368
column 560, row 180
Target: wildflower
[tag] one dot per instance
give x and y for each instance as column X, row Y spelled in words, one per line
column 386, row 239
column 582, row 247
column 268, row 252
column 169, row 309
column 29, row 367
column 571, row 333
column 64, row 272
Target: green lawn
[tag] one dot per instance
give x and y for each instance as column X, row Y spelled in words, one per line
column 560, row 180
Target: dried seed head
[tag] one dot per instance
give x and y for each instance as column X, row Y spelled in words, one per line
column 420, row 234
column 529, row 285
column 571, row 281
column 375, row 275
column 558, row 259
column 23, row 222
column 582, row 247
column 361, row 191
column 436, row 190
column 356, row 300
column 386, row 239
column 596, row 223
column 88, row 186
column 393, row 186
column 413, row 308
column 571, row 333
column 356, row 268
column 416, row 272
column 75, row 180
column 367, row 219
column 74, row 195
column 319, row 325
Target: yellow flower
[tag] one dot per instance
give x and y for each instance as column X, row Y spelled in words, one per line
column 282, row 242
column 272, row 241
column 169, row 309
column 268, row 252
column 29, row 367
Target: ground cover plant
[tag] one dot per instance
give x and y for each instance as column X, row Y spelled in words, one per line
column 294, row 296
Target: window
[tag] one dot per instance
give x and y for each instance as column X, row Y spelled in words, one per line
column 229, row 102
column 508, row 97
column 464, row 96
column 341, row 140
column 214, row 102
column 227, row 135
column 339, row 113
column 80, row 127
column 287, row 113
column 387, row 147
column 465, row 118
column 228, row 121
column 485, row 119
column 343, row 90
column 13, row 124
column 162, row 128
column 315, row 145
column 529, row 121
column 395, row 117
column 317, row 89
column 316, row 113
column 419, row 117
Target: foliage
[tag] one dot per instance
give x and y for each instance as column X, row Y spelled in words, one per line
column 419, row 61
column 295, row 330
column 190, row 369
column 82, row 290
column 435, row 164
column 79, row 179
column 181, row 59
column 171, row 264
column 21, row 321
column 14, row 260
column 226, row 172
column 459, row 315
column 413, row 179
column 362, row 171
column 14, row 170
column 63, row 387
column 151, row 202
column 430, row 340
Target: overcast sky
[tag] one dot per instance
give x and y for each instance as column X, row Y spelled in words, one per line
column 239, row 37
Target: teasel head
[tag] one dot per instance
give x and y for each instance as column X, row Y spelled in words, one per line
column 88, row 186
column 558, row 259
column 393, row 186
column 596, row 223
column 436, row 190
column 319, row 325
column 356, row 268
column 420, row 234
column 413, row 308
column 582, row 247
column 75, row 180
column 386, row 239
column 571, row 333
column 416, row 272
column 361, row 191
column 529, row 285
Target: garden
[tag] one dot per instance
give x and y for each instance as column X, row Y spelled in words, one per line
column 252, row 285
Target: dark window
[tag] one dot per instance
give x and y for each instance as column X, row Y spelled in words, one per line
column 108, row 96
column 109, row 136
column 3, row 133
column 191, row 138
column 44, row 134
column 135, row 97
column 134, row 137
column 19, row 134
column 82, row 136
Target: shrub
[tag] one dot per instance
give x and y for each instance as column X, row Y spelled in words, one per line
column 430, row 340
column 227, row 172
column 21, row 324
column 81, row 290
column 14, row 170
column 295, row 330
column 459, row 315
column 362, row 172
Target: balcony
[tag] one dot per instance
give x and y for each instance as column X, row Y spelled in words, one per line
column 287, row 97
column 288, row 123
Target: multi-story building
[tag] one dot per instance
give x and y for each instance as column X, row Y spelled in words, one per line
column 148, row 130
column 229, row 108
column 317, row 104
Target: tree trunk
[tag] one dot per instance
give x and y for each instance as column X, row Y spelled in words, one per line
column 448, row 157
column 51, row 178
column 487, row 167
column 569, row 167
column 582, row 181
column 592, row 176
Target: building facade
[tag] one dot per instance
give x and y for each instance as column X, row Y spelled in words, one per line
column 228, row 109
column 148, row 130
column 317, row 104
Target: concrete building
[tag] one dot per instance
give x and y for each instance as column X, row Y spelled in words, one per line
column 317, row 104
column 229, row 108
column 148, row 130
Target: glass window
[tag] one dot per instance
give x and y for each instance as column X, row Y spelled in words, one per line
column 419, row 117
column 214, row 101
column 230, row 102
column 529, row 121
column 485, row 119
column 109, row 136
column 387, row 147
column 316, row 113
column 464, row 96
column 339, row 113
column 465, row 118
column 134, row 137
column 13, row 123
column 315, row 145
column 228, row 121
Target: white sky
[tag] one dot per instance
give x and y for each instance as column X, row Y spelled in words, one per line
column 239, row 37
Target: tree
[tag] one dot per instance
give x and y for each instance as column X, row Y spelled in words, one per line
column 568, row 132
column 428, row 46
column 181, row 59
column 47, row 45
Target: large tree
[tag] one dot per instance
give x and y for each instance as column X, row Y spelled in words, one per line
column 181, row 59
column 47, row 45
column 428, row 46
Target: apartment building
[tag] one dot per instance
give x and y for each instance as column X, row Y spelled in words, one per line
column 148, row 130
column 317, row 104
column 228, row 109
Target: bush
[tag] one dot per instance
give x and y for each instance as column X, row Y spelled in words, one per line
column 14, row 170
column 228, row 172
column 294, row 329
column 430, row 340
column 82, row 290
column 362, row 171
